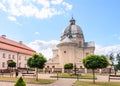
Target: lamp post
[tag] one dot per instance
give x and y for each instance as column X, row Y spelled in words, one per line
column 57, row 76
column 75, row 69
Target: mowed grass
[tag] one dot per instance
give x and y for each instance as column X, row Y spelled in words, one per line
column 86, row 83
column 66, row 75
column 28, row 80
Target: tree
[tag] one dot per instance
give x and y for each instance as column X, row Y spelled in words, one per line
column 118, row 60
column 11, row 63
column 36, row 61
column 20, row 82
column 68, row 66
column 111, row 57
column 94, row 62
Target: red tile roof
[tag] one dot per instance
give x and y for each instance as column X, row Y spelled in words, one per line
column 11, row 45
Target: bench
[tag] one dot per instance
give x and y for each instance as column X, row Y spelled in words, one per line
column 115, row 77
column 29, row 74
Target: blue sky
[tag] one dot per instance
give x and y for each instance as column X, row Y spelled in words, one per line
column 39, row 23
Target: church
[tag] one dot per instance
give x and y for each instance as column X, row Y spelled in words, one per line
column 71, row 49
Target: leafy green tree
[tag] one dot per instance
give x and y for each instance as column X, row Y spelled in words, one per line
column 20, row 82
column 68, row 66
column 36, row 61
column 95, row 62
column 118, row 60
column 112, row 59
column 11, row 64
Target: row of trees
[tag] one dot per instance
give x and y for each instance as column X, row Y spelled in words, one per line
column 90, row 62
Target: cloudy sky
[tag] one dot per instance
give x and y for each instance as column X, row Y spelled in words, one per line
column 39, row 23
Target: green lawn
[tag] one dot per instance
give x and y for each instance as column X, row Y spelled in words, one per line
column 85, row 83
column 29, row 80
column 66, row 75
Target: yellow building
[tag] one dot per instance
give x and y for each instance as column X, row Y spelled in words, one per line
column 71, row 49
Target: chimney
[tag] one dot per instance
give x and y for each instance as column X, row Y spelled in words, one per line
column 3, row 36
column 20, row 42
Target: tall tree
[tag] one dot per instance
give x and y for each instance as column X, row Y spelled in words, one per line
column 118, row 61
column 111, row 57
column 36, row 61
column 95, row 62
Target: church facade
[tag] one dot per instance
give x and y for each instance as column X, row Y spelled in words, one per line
column 71, row 49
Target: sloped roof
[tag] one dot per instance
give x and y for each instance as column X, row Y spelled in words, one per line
column 14, row 46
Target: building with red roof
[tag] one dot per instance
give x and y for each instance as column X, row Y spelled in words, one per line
column 12, row 50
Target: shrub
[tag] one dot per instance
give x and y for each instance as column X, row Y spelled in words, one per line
column 20, row 82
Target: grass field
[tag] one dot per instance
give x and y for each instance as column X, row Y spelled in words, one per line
column 86, row 83
column 29, row 80
column 66, row 75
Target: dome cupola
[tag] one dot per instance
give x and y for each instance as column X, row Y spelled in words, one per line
column 72, row 30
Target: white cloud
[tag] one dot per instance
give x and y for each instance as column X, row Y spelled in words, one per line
column 37, row 33
column 56, row 1
column 107, row 50
column 45, row 47
column 2, row 7
column 67, row 5
column 11, row 18
column 34, row 8
column 45, row 3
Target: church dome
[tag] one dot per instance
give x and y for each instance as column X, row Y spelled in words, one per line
column 71, row 29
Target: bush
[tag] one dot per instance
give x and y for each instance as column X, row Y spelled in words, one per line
column 20, row 82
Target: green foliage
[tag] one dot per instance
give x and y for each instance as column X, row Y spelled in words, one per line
column 88, row 83
column 118, row 60
column 11, row 64
column 20, row 82
column 111, row 57
column 68, row 66
column 95, row 62
column 36, row 61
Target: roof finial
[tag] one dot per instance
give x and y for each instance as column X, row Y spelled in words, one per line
column 72, row 21
column 72, row 16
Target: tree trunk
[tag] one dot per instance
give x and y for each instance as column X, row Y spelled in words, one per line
column 93, row 75
column 36, row 74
